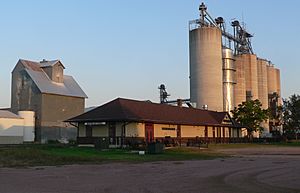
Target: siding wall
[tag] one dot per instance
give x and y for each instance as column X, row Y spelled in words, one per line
column 161, row 130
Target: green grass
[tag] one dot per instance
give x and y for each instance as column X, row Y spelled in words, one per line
column 44, row 155
column 288, row 144
column 213, row 147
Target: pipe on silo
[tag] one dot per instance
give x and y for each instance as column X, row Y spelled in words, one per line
column 228, row 79
column 206, row 68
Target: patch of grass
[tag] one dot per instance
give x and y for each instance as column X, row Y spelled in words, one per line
column 288, row 144
column 47, row 155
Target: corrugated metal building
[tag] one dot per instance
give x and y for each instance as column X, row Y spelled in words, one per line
column 43, row 88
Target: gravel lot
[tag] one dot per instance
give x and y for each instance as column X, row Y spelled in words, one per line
column 261, row 170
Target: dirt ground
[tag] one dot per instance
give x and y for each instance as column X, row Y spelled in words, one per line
column 255, row 170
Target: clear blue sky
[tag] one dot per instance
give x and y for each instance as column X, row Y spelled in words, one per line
column 118, row 48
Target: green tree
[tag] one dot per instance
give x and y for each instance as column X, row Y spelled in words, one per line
column 250, row 115
column 291, row 115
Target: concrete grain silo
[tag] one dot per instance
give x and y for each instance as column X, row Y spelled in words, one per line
column 206, row 67
column 278, row 85
column 272, row 80
column 250, row 62
column 240, row 87
column 228, row 79
column 262, row 80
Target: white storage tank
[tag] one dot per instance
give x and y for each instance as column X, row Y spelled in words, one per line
column 206, row 85
column 29, row 125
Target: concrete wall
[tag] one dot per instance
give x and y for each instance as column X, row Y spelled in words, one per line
column 262, row 78
column 250, row 62
column 240, row 87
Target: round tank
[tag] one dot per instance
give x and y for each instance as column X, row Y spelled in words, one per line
column 278, row 86
column 272, row 80
column 206, row 68
column 240, row 87
column 262, row 80
column 250, row 62
column 228, row 79
column 29, row 124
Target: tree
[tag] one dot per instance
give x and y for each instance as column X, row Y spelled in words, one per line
column 250, row 115
column 291, row 115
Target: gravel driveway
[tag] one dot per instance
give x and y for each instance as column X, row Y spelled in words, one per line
column 251, row 170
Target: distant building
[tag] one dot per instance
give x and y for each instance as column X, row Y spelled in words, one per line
column 123, row 120
column 43, row 88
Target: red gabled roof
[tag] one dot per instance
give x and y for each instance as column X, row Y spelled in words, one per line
column 140, row 111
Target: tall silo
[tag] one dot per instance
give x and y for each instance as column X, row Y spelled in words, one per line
column 278, row 85
column 250, row 62
column 240, row 87
column 262, row 80
column 206, row 67
column 272, row 81
column 228, row 79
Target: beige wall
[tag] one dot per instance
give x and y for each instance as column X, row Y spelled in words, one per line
column 192, row 131
column 135, row 130
column 160, row 132
column 138, row 130
column 81, row 130
column 11, row 127
column 100, row 131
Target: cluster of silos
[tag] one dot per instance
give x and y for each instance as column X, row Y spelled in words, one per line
column 220, row 80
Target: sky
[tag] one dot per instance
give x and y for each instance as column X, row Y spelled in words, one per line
column 117, row 48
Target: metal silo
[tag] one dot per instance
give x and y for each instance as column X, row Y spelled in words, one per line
column 228, row 79
column 240, row 87
column 206, row 67
column 262, row 80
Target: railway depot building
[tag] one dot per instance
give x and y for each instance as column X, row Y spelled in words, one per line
column 124, row 120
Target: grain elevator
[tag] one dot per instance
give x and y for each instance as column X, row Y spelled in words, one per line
column 224, row 70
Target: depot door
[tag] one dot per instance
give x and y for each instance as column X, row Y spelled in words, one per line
column 112, row 133
column 149, row 132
